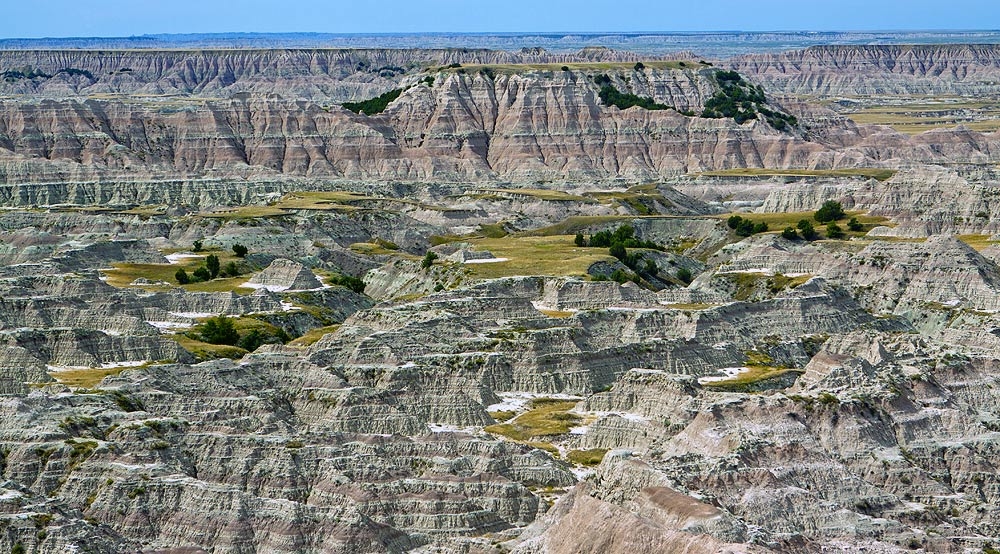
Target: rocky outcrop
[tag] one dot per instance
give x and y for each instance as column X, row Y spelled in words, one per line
column 855, row 70
column 285, row 274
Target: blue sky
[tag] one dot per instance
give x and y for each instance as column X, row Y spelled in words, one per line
column 65, row 18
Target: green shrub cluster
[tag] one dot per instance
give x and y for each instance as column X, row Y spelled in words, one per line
column 212, row 269
column 222, row 330
column 353, row 283
column 611, row 96
column 743, row 101
column 745, row 227
column 831, row 210
column 374, row 105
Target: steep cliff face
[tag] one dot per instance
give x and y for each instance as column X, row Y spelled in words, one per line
column 877, row 70
column 520, row 127
column 334, row 74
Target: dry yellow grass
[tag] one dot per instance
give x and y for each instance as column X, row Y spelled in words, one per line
column 313, row 335
column 87, row 378
column 978, row 242
column 546, row 255
column 546, row 417
column 124, row 274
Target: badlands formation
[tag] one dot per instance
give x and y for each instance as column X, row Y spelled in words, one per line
column 500, row 304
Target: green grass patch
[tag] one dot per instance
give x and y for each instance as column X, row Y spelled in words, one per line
column 873, row 173
column 89, row 378
column 546, row 417
column 756, row 374
column 587, row 458
column 205, row 351
column 977, row 242
column 546, row 255
column 776, row 221
column 244, row 212
column 123, row 274
column 312, row 336
column 502, row 415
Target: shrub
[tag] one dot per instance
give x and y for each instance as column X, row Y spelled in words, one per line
column 618, row 250
column 650, row 268
column 231, row 270
column 831, row 210
column 375, row 105
column 639, row 66
column 240, row 250
column 353, row 283
column 201, row 274
column 611, row 96
column 219, row 330
column 833, row 231
column 789, row 233
column 579, row 240
column 734, row 221
column 565, row 68
column 745, row 228
column 808, row 232
column 429, row 258
column 182, row 276
column 855, row 225
column 620, row 276
column 212, row 265
column 251, row 341
column 197, row 246
column 684, row 275
column 759, row 227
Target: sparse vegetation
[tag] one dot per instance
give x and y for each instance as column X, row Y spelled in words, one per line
column 807, row 230
column 831, row 210
column 588, row 458
column 375, row 105
column 546, row 417
column 611, row 96
column 428, row 260
column 743, row 101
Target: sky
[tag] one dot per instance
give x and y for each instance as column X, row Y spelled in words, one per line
column 120, row 18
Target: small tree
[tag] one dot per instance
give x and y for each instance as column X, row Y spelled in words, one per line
column 182, row 276
column 201, row 274
column 618, row 251
column 197, row 246
column 759, row 227
column 429, row 258
column 252, row 340
column 789, row 233
column 855, row 225
column 831, row 210
column 639, row 66
column 219, row 330
column 833, row 231
column 734, row 221
column 745, row 228
column 579, row 240
column 650, row 268
column 231, row 270
column 240, row 250
column 684, row 275
column 212, row 264
column 808, row 232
